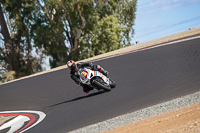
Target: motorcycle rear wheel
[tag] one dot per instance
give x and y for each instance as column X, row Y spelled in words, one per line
column 100, row 86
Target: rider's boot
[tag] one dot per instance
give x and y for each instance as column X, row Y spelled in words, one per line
column 104, row 72
column 100, row 69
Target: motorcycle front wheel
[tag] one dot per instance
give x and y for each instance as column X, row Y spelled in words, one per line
column 113, row 84
column 100, row 86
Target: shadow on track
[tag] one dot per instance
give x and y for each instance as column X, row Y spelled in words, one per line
column 79, row 98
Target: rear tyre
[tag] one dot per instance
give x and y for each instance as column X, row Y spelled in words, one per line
column 100, row 86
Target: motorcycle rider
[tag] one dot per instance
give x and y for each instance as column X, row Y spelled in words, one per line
column 75, row 74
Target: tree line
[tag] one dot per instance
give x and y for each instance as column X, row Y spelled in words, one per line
column 31, row 30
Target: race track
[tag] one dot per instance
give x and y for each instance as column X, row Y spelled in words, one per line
column 143, row 79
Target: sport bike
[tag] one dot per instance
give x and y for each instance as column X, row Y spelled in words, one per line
column 96, row 79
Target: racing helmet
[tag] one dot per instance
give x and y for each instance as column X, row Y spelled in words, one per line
column 71, row 65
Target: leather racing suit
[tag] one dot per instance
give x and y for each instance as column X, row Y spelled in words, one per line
column 75, row 75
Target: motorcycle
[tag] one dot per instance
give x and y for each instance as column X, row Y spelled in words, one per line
column 96, row 79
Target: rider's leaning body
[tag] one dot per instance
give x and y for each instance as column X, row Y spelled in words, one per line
column 75, row 74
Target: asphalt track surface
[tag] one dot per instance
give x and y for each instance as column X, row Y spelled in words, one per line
column 143, row 79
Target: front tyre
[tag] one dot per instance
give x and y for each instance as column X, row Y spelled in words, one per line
column 113, row 84
column 100, row 86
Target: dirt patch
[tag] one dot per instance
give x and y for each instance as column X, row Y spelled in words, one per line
column 185, row 120
column 6, row 118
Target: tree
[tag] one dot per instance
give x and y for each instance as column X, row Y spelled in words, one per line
column 63, row 30
column 94, row 26
column 16, row 42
